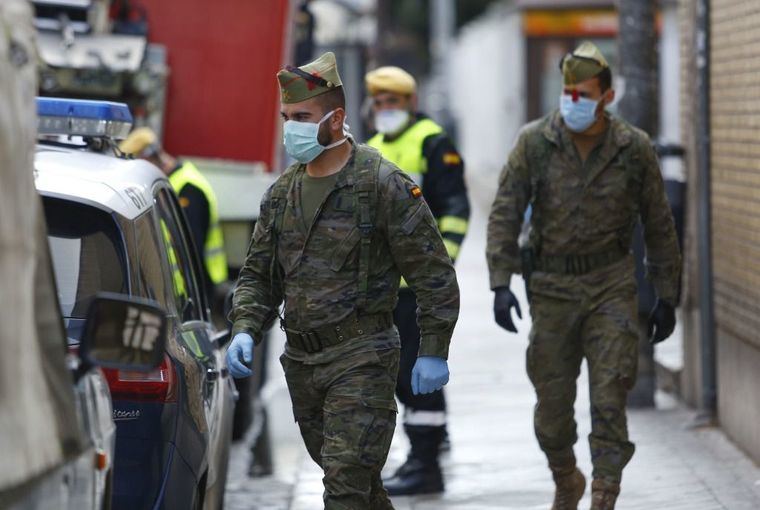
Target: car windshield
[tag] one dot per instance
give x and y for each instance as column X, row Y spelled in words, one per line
column 88, row 254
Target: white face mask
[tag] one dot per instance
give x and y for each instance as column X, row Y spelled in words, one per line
column 389, row 122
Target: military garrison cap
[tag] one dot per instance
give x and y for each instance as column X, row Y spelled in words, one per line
column 582, row 64
column 298, row 84
column 390, row 79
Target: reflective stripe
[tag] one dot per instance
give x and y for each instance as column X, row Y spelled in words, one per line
column 425, row 418
column 452, row 248
column 406, row 150
column 453, row 224
column 215, row 259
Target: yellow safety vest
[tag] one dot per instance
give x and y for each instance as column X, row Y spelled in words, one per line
column 213, row 247
column 406, row 150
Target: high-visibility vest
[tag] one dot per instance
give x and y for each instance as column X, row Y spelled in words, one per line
column 406, row 150
column 213, row 246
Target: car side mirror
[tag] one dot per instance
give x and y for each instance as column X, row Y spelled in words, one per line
column 123, row 332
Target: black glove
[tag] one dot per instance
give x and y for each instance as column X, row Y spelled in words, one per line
column 503, row 302
column 662, row 321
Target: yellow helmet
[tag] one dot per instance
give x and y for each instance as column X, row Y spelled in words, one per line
column 142, row 142
column 390, row 79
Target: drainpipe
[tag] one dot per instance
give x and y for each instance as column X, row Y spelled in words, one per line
column 704, row 215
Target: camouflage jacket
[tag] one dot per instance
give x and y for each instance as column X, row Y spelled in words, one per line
column 583, row 208
column 319, row 266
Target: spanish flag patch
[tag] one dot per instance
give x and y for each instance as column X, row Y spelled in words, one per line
column 451, row 158
column 416, row 192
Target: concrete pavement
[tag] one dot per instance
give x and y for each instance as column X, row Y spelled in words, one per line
column 495, row 461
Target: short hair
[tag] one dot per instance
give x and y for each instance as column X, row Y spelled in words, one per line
column 605, row 79
column 332, row 99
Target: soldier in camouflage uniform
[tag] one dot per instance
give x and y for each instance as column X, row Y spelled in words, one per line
column 588, row 176
column 336, row 233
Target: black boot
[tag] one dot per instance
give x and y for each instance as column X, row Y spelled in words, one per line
column 417, row 478
column 421, row 473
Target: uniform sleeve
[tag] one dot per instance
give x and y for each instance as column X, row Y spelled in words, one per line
column 420, row 255
column 196, row 210
column 445, row 191
column 505, row 220
column 256, row 298
column 663, row 256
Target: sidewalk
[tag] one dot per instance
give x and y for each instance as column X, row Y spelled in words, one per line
column 495, row 461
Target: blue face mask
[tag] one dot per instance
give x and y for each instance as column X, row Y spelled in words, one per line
column 301, row 139
column 578, row 115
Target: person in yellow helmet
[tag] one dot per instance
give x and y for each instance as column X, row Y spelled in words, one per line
column 196, row 197
column 422, row 149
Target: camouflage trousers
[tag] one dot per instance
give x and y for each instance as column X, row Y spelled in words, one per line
column 604, row 331
column 346, row 413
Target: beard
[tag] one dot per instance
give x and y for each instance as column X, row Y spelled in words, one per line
column 324, row 137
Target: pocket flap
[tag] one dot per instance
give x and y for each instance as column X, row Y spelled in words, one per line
column 343, row 249
column 410, row 224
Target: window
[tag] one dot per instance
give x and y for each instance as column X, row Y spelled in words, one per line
column 178, row 258
column 87, row 252
column 150, row 272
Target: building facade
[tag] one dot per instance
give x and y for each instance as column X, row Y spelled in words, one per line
column 734, row 189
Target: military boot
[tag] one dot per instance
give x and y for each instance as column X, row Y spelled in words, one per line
column 570, row 484
column 604, row 494
column 421, row 473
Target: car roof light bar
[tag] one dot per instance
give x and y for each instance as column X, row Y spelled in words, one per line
column 78, row 117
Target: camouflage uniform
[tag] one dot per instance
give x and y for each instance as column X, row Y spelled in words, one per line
column 583, row 292
column 343, row 393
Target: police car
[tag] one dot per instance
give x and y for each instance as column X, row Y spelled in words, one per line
column 115, row 226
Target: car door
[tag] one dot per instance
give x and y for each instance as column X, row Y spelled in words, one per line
column 197, row 333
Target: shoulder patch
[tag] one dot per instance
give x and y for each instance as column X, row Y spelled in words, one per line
column 415, row 191
column 451, row 158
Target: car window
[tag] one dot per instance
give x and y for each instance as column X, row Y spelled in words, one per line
column 184, row 283
column 150, row 272
column 87, row 252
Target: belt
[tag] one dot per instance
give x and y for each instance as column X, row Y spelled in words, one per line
column 349, row 328
column 579, row 264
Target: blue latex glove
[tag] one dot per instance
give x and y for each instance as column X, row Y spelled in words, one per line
column 241, row 348
column 429, row 374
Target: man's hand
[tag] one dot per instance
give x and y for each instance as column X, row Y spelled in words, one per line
column 240, row 355
column 429, row 374
column 503, row 302
column 662, row 321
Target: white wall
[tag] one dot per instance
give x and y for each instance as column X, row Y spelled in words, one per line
column 670, row 87
column 487, row 74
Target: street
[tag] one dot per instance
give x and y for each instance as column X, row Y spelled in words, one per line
column 495, row 461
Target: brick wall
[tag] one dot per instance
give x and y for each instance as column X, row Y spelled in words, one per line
column 735, row 174
column 735, row 124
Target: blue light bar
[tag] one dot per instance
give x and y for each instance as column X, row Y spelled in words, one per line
column 78, row 117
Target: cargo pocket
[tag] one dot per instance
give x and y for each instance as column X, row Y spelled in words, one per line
column 340, row 254
column 376, row 438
